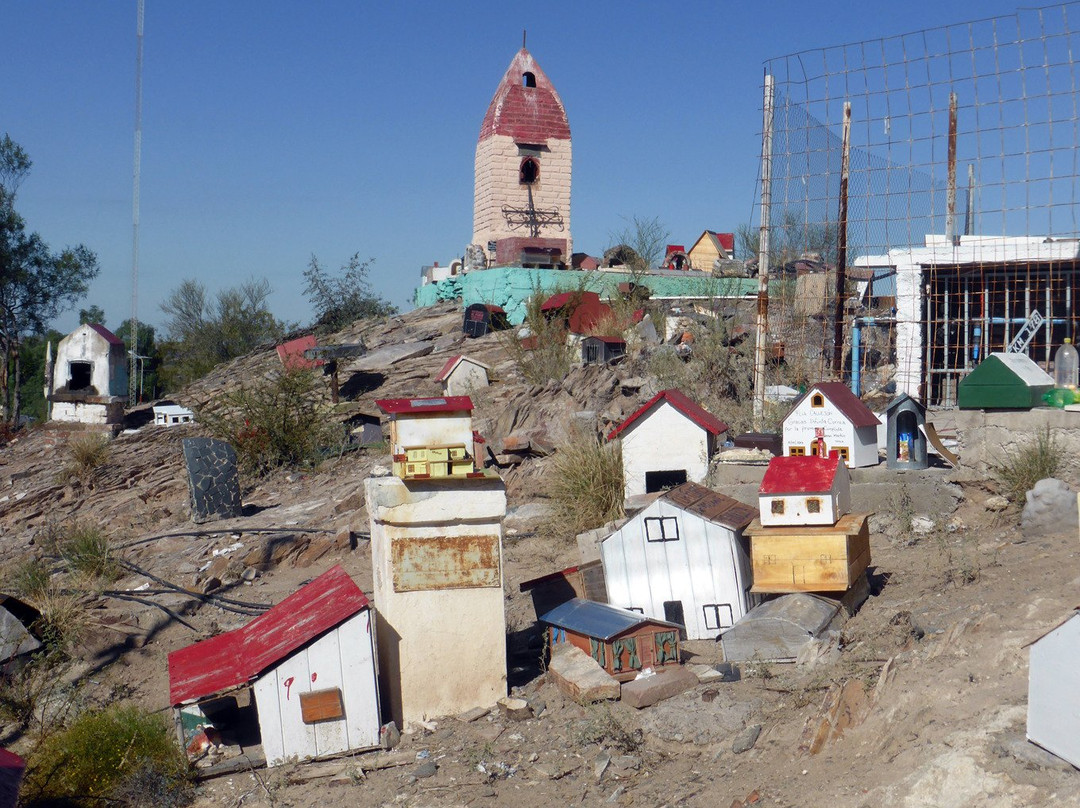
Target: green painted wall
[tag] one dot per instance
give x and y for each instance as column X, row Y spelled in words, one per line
column 511, row 287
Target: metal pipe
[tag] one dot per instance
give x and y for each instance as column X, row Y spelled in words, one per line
column 857, row 324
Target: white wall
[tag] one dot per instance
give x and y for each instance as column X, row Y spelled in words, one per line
column 801, row 423
column 707, row 565
column 664, row 440
column 83, row 344
column 343, row 659
column 441, row 651
column 467, row 377
column 1054, row 691
column 431, row 429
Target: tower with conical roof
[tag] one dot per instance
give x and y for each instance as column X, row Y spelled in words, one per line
column 521, row 196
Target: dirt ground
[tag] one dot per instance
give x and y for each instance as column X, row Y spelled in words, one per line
column 923, row 704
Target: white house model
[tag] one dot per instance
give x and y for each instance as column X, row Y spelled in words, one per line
column 310, row 661
column 89, row 382
column 683, row 559
column 668, row 441
column 1054, row 690
column 804, row 491
column 462, row 375
column 830, row 418
column 172, row 415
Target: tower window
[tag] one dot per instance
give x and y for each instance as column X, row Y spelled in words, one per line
column 529, row 171
column 528, row 80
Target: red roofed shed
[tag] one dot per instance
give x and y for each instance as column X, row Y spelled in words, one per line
column 804, row 491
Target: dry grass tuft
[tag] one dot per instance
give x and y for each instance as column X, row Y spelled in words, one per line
column 86, row 455
column 586, row 485
column 1033, row 461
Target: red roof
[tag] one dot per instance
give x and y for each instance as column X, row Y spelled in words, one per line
column 674, row 248
column 238, row 656
column 563, row 299
column 109, row 336
column 291, row 353
column 844, row 400
column 586, row 314
column 527, row 114
column 800, row 475
column 396, row 406
column 450, row 363
column 727, row 241
column 695, row 412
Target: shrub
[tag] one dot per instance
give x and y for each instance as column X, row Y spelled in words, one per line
column 548, row 357
column 586, row 484
column 276, row 422
column 86, row 454
column 85, row 549
column 118, row 754
column 30, row 578
column 1030, row 462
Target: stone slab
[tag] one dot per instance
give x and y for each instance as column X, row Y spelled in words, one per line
column 579, row 677
column 388, row 355
column 663, row 685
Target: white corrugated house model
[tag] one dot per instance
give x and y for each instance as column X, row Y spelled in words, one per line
column 683, row 559
column 1053, row 720
column 668, row 441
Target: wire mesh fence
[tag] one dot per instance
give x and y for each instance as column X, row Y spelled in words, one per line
column 957, row 234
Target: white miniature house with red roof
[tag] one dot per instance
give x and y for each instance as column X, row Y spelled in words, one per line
column 830, row 418
column 431, row 438
column 683, row 559
column 310, row 662
column 668, row 441
column 89, row 383
column 804, row 491
column 462, row 375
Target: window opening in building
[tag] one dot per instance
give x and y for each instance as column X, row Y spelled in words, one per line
column 817, row 400
column 79, row 375
column 661, row 528
column 777, row 507
column 718, row 616
column 796, row 451
column 528, row 79
column 529, row 172
column 662, row 480
column 813, row 505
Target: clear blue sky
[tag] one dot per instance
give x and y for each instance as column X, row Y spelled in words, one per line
column 274, row 130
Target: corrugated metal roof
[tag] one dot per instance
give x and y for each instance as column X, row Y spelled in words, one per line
column 597, row 620
column 237, row 656
column 396, row 406
column 711, row 505
column 844, row 400
column 695, row 412
column 800, row 475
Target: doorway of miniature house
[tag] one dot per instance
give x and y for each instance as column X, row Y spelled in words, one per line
column 673, row 613
column 79, row 375
column 663, row 480
column 234, row 716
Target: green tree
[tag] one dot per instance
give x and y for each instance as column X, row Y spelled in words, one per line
column 94, row 314
column 647, row 237
column 204, row 332
column 342, row 299
column 149, row 357
column 36, row 284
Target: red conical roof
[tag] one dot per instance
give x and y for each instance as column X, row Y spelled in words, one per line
column 528, row 114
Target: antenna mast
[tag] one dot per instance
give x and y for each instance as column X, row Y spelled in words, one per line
column 133, row 336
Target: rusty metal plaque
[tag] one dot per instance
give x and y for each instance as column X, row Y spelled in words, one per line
column 446, row 562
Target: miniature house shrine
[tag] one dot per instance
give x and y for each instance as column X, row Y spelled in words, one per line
column 804, row 491
column 310, row 663
column 829, row 417
column 90, row 378
column 431, row 438
column 683, row 559
column 667, row 442
column 462, row 375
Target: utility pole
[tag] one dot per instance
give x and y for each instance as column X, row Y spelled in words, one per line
column 763, row 256
column 133, row 336
column 841, row 249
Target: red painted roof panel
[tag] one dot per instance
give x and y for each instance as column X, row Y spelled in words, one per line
column 692, row 410
column 238, row 656
column 527, row 114
column 450, row 364
column 800, row 475
column 291, row 353
column 397, row 406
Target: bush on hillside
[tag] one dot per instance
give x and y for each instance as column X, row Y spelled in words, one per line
column 586, row 484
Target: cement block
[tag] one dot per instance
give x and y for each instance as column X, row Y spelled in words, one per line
column 579, row 676
column 663, row 685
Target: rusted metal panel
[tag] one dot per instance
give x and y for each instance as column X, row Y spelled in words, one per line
column 446, row 562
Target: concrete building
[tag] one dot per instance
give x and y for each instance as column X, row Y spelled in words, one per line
column 521, row 196
column 90, row 378
column 668, row 441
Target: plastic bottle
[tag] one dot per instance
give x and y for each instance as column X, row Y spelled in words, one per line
column 1066, row 365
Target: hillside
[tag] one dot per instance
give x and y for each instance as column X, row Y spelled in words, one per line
column 923, row 702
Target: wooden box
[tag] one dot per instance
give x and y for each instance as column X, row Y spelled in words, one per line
column 809, row 559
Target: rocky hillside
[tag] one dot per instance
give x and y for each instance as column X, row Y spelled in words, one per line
column 922, row 701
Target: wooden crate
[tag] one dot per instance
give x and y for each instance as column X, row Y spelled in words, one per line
column 809, row 559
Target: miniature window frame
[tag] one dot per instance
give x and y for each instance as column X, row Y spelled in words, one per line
column 796, row 451
column 813, row 504
column 776, row 507
column 842, row 451
column 713, row 621
column 661, row 528
column 817, row 401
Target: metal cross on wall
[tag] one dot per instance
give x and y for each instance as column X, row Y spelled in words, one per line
column 532, row 218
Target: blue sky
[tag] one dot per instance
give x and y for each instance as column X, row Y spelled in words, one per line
column 274, row 130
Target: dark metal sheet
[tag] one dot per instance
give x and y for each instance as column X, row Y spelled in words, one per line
column 445, row 562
